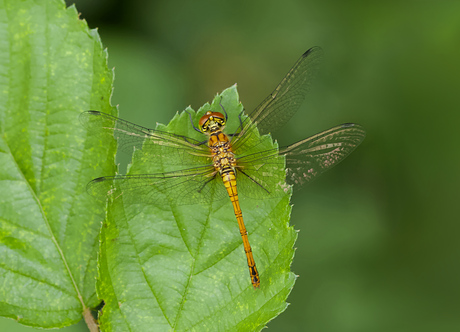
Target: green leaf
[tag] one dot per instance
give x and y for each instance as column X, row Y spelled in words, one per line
column 183, row 267
column 53, row 68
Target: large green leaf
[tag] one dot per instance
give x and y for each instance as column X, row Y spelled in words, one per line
column 183, row 267
column 52, row 68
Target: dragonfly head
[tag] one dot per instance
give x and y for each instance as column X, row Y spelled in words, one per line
column 211, row 121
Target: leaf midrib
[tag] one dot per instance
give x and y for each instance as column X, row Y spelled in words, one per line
column 50, row 231
column 192, row 268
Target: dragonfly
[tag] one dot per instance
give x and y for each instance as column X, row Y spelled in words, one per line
column 223, row 164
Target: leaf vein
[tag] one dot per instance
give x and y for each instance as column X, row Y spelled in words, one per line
column 200, row 243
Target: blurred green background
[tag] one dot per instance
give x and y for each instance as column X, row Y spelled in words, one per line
column 378, row 248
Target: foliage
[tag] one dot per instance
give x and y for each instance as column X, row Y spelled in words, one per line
column 160, row 267
column 53, row 68
column 182, row 267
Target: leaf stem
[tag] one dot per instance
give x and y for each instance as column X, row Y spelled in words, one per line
column 90, row 321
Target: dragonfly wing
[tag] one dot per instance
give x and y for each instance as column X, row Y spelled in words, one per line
column 130, row 135
column 303, row 161
column 284, row 101
column 307, row 159
column 189, row 186
column 259, row 174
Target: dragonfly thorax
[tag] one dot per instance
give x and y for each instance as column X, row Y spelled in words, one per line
column 211, row 122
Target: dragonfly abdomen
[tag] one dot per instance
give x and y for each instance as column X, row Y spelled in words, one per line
column 225, row 163
column 229, row 179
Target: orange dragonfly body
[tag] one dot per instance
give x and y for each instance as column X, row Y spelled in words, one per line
column 235, row 158
column 212, row 123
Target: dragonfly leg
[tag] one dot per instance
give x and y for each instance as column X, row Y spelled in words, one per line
column 239, row 118
column 191, row 121
column 222, row 106
column 254, row 180
column 204, row 184
column 240, row 127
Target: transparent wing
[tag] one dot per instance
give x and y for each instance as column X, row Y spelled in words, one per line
column 130, row 135
column 283, row 102
column 303, row 161
column 189, row 186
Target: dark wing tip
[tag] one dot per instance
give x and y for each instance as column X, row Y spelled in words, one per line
column 83, row 115
column 100, row 179
column 349, row 125
column 93, row 112
column 95, row 181
column 359, row 129
column 94, row 189
column 314, row 49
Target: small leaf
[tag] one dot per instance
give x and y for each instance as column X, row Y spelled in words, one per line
column 183, row 267
column 53, row 68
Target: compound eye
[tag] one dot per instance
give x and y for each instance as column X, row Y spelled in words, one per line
column 204, row 119
column 211, row 116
